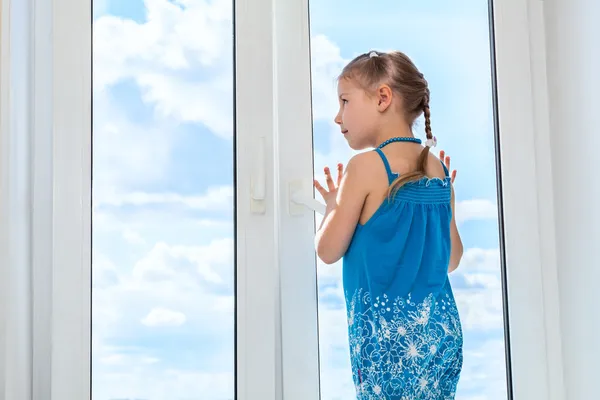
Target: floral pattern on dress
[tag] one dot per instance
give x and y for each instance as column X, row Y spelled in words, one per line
column 404, row 350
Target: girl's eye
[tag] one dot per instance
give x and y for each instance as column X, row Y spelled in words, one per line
column 344, row 101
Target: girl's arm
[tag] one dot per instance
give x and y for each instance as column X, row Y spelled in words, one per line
column 456, row 252
column 344, row 206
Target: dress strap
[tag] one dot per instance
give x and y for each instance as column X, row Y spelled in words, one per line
column 445, row 170
column 390, row 175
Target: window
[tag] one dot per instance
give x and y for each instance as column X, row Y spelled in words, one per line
column 452, row 50
column 163, row 208
column 205, row 284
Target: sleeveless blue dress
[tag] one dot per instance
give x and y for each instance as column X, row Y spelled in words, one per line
column 404, row 330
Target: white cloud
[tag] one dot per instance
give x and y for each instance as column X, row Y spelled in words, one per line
column 475, row 209
column 113, row 359
column 211, row 266
column 180, row 58
column 329, row 273
column 133, row 237
column 104, row 272
column 163, row 317
column 476, row 259
column 216, row 198
column 208, row 223
column 480, row 309
column 336, row 375
column 484, row 371
column 126, row 153
column 207, row 102
column 326, row 65
column 146, row 382
column 194, row 287
column 146, row 226
column 480, row 302
column 491, row 281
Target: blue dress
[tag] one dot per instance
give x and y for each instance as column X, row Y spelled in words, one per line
column 404, row 330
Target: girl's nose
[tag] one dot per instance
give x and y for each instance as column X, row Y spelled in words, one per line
column 338, row 119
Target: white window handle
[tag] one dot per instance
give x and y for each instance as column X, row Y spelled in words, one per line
column 301, row 199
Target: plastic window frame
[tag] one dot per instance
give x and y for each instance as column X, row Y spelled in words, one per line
column 46, row 212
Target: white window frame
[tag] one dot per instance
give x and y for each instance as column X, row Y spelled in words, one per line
column 45, row 172
column 526, row 176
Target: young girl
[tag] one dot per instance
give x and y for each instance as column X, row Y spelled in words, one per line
column 391, row 217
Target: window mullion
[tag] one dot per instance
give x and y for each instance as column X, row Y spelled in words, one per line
column 258, row 370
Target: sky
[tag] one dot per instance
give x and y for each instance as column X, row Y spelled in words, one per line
column 163, row 249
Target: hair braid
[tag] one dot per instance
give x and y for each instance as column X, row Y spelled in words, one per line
column 423, row 157
column 427, row 115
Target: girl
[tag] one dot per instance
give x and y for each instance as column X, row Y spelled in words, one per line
column 391, row 216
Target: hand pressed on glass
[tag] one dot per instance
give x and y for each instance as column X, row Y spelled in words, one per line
column 329, row 194
column 446, row 160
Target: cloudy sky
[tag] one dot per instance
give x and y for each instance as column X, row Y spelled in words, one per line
column 163, row 229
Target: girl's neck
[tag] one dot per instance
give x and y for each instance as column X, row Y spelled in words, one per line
column 385, row 135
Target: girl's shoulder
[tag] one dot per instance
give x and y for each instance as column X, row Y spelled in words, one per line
column 372, row 165
column 368, row 169
column 435, row 167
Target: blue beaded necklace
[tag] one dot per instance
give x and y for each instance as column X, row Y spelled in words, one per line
column 399, row 139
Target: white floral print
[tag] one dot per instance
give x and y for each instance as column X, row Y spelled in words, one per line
column 404, row 350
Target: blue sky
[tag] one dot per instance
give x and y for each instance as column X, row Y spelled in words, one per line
column 163, row 234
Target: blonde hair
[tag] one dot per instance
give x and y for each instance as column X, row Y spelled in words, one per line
column 397, row 70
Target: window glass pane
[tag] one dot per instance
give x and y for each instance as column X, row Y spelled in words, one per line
column 163, row 178
column 450, row 44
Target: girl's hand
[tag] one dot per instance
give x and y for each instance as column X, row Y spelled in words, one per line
column 329, row 194
column 446, row 160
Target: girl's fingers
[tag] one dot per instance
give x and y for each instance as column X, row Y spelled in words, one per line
column 442, row 155
column 331, row 186
column 340, row 174
column 453, row 176
column 320, row 188
column 328, row 179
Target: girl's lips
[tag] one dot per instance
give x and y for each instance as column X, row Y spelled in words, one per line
column 344, row 132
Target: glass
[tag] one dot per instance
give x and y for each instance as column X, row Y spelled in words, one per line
column 163, row 225
column 450, row 43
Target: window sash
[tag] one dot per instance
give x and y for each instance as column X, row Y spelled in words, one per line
column 532, row 317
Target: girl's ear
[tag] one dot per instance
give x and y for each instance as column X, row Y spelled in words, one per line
column 384, row 97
